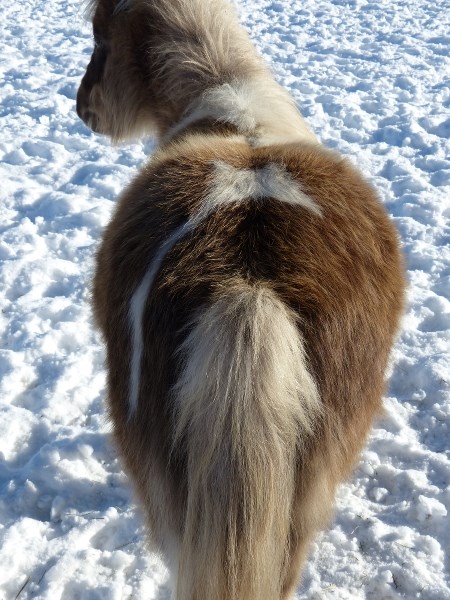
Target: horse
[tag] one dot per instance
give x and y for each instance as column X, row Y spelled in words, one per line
column 248, row 289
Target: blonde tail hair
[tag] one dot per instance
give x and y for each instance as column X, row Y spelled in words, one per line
column 244, row 404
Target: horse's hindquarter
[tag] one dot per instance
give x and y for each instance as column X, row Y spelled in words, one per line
column 328, row 251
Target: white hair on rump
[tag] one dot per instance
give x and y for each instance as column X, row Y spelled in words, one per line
column 271, row 181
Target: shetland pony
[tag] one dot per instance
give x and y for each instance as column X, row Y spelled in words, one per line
column 248, row 288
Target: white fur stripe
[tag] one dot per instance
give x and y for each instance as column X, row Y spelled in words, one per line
column 137, row 309
column 229, row 186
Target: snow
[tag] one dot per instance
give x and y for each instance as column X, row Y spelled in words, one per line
column 372, row 79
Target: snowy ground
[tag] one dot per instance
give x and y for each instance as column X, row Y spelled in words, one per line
column 372, row 78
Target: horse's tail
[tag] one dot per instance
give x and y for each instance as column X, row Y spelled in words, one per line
column 245, row 402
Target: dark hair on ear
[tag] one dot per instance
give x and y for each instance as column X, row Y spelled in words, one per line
column 121, row 6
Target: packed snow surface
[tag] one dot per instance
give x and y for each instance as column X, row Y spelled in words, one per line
column 372, row 78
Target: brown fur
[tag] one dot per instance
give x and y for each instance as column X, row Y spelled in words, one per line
column 339, row 275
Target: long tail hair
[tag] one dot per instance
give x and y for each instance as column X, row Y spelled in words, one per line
column 244, row 404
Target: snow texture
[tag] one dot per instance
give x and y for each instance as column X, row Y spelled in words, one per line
column 372, row 79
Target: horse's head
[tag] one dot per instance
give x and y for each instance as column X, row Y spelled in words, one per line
column 115, row 96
